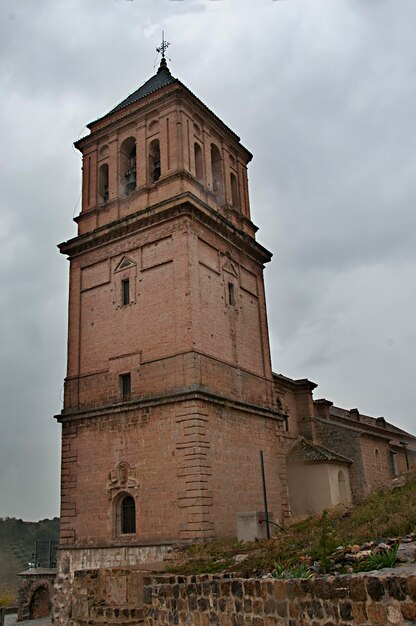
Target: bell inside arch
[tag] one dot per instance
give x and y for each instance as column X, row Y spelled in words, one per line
column 131, row 173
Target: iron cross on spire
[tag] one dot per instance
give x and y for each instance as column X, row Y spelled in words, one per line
column 165, row 44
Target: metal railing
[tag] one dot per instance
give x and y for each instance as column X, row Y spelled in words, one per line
column 44, row 555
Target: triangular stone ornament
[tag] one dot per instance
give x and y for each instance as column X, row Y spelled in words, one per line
column 230, row 267
column 124, row 264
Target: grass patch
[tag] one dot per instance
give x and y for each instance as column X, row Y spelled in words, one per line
column 7, row 599
column 297, row 571
column 384, row 514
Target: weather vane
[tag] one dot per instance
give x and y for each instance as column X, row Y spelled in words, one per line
column 165, row 44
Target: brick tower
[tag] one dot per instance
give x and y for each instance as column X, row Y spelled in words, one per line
column 169, row 390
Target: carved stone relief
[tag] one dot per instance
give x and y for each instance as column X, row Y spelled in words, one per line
column 122, row 478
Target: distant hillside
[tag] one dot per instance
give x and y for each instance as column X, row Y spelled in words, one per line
column 17, row 545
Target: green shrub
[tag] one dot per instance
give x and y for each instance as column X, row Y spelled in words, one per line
column 7, row 599
column 296, row 571
column 379, row 560
column 327, row 544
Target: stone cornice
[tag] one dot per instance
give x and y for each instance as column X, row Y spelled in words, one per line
column 299, row 384
column 182, row 204
column 169, row 398
column 122, row 544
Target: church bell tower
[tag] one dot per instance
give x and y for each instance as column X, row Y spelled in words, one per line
column 169, row 393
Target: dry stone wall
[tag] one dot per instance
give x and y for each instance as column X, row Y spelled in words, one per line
column 129, row 596
column 35, row 591
column 71, row 566
column 107, row 596
column 324, row 601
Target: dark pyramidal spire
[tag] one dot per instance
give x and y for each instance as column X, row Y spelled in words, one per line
column 162, row 78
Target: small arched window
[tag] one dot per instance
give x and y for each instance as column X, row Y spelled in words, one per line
column 217, row 175
column 377, row 455
column 154, row 161
column 128, row 165
column 127, row 515
column 103, row 184
column 199, row 173
column 234, row 191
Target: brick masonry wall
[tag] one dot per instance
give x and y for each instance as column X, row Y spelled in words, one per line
column 107, row 338
column 402, row 466
column 376, row 461
column 158, row 378
column 181, row 461
column 286, row 403
column 215, row 601
column 178, row 126
column 236, row 440
column 179, row 290
column 147, row 441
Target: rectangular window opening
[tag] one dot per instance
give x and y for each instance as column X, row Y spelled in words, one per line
column 125, row 291
column 128, row 516
column 393, row 463
column 125, row 384
column 231, row 297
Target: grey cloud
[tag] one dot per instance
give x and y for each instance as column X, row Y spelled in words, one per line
column 323, row 94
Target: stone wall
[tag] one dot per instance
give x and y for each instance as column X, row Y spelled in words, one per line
column 370, row 599
column 35, row 593
column 73, row 562
column 107, row 596
column 130, row 596
column 345, row 441
column 377, row 464
column 179, row 276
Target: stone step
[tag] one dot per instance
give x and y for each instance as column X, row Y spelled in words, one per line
column 106, row 621
column 116, row 614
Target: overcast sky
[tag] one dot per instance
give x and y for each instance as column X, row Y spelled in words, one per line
column 323, row 92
